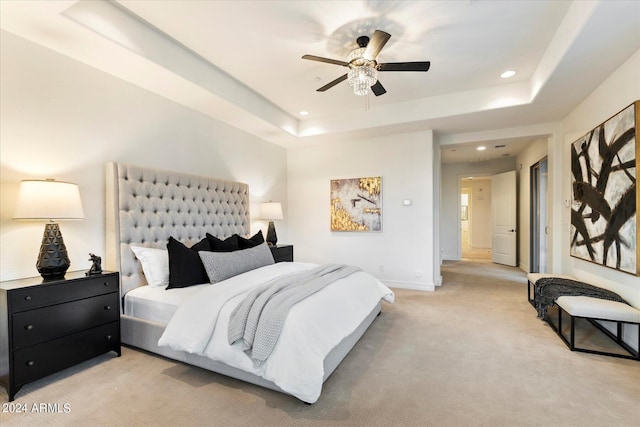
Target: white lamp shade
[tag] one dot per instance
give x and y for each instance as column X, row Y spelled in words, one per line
column 271, row 210
column 48, row 200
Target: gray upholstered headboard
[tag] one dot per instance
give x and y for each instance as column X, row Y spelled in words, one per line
column 146, row 206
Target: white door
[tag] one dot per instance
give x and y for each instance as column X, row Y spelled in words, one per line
column 503, row 208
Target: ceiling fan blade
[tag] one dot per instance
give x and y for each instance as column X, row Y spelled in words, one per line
column 405, row 66
column 377, row 42
column 332, row 84
column 327, row 60
column 378, row 89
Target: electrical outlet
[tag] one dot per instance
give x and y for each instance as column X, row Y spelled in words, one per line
column 418, row 273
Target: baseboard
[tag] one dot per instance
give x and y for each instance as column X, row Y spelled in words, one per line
column 416, row 286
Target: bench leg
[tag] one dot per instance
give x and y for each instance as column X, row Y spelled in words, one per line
column 619, row 335
column 530, row 296
column 573, row 333
column 558, row 329
column 560, row 321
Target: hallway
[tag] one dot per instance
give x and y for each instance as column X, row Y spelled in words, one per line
column 474, row 254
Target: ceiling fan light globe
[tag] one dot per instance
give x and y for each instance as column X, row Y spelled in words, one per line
column 355, row 56
column 362, row 78
column 360, row 87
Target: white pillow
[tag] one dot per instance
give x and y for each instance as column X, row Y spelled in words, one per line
column 155, row 264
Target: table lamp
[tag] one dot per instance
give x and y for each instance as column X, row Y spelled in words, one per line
column 50, row 200
column 271, row 211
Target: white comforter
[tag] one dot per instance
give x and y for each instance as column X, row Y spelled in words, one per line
column 313, row 328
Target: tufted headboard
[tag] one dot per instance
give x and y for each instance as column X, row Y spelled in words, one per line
column 146, row 206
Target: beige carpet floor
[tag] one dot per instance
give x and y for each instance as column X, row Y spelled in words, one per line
column 472, row 353
column 475, row 254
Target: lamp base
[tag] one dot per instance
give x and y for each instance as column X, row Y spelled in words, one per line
column 53, row 260
column 272, row 237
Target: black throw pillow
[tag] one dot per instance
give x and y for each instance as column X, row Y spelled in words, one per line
column 229, row 244
column 202, row 245
column 185, row 265
column 252, row 241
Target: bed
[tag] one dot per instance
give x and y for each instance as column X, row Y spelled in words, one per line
column 146, row 208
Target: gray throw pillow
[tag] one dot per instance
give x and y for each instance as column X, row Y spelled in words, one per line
column 223, row 265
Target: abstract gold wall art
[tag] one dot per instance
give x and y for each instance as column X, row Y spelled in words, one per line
column 356, row 204
column 604, row 166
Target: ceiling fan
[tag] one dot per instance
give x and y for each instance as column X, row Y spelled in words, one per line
column 363, row 66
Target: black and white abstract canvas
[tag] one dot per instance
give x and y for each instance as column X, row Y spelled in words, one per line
column 604, row 225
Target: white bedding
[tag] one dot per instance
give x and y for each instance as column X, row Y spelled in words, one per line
column 156, row 304
column 313, row 328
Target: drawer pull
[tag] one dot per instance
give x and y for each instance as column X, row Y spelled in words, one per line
column 27, row 298
column 109, row 337
column 30, row 363
column 107, row 307
column 29, row 327
column 106, row 283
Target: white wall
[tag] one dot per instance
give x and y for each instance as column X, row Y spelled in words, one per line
column 450, row 199
column 62, row 119
column 532, row 154
column 405, row 246
column 614, row 94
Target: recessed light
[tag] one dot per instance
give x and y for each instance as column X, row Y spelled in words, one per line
column 507, row 74
column 304, row 113
column 481, row 148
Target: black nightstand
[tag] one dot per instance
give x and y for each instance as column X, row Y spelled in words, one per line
column 282, row 253
column 49, row 326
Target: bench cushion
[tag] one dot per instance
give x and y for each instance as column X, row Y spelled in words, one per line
column 597, row 308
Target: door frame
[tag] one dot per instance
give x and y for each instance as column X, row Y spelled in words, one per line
column 480, row 175
column 469, row 192
column 538, row 216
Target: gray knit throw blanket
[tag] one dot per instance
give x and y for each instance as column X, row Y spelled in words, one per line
column 258, row 320
column 548, row 289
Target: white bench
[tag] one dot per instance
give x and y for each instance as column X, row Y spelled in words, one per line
column 593, row 310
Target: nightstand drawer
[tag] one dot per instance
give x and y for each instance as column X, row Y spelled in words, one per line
column 35, row 326
column 35, row 362
column 62, row 291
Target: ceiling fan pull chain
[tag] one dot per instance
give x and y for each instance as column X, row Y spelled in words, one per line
column 366, row 102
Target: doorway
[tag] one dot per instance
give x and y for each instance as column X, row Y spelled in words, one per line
column 465, row 197
column 475, row 213
column 538, row 215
